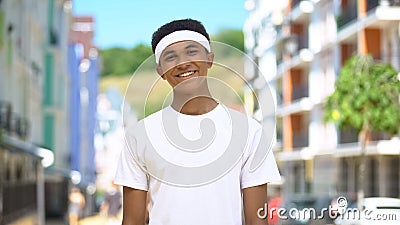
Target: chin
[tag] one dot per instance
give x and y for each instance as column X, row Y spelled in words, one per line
column 191, row 86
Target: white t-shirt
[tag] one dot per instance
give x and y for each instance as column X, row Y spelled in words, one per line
column 196, row 166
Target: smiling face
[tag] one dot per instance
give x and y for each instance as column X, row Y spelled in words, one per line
column 183, row 61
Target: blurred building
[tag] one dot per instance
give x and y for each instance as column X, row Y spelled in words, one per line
column 34, row 102
column 113, row 116
column 48, row 94
column 55, row 104
column 84, row 70
column 298, row 47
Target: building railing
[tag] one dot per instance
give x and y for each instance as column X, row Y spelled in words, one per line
column 389, row 2
column 279, row 60
column 300, row 139
column 21, row 177
column 19, row 199
column 299, row 92
column 279, row 98
column 294, row 43
column 295, row 3
column 303, row 42
column 348, row 14
column 372, row 4
column 12, row 123
column 348, row 135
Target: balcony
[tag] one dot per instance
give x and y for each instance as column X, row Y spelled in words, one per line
column 300, row 140
column 348, row 135
column 381, row 14
column 391, row 2
column 296, row 47
column 19, row 198
column 300, row 10
column 295, row 3
column 299, row 92
column 302, row 42
column 279, row 98
column 347, row 15
column 301, row 105
column 373, row 4
column 279, row 59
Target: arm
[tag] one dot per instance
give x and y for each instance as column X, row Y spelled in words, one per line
column 134, row 206
column 83, row 201
column 104, row 205
column 254, row 198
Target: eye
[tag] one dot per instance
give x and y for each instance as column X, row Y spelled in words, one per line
column 170, row 57
column 192, row 52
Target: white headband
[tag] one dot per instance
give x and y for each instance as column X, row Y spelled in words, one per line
column 180, row 35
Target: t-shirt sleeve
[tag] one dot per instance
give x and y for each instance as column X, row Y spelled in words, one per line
column 131, row 169
column 259, row 165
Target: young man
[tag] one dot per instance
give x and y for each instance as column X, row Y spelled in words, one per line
column 195, row 156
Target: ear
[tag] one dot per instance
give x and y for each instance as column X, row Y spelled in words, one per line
column 160, row 71
column 210, row 59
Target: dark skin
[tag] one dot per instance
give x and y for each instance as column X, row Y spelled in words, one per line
column 134, row 206
column 180, row 58
column 254, row 198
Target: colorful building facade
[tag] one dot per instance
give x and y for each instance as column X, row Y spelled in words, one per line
column 308, row 43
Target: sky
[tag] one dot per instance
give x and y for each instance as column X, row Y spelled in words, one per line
column 126, row 23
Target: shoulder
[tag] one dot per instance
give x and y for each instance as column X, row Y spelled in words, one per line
column 251, row 123
column 138, row 128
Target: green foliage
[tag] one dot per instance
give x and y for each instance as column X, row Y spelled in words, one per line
column 231, row 37
column 121, row 61
column 139, row 54
column 2, row 22
column 366, row 96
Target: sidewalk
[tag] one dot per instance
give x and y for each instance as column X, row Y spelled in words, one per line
column 98, row 220
column 92, row 220
column 56, row 221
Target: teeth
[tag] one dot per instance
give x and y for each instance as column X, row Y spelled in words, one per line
column 186, row 74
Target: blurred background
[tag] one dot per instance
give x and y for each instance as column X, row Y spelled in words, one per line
column 65, row 66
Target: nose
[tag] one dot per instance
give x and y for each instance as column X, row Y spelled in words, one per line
column 183, row 62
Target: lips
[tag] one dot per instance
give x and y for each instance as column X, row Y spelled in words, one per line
column 186, row 74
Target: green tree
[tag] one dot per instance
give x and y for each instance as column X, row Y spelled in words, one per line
column 113, row 61
column 231, row 37
column 139, row 54
column 366, row 97
column 122, row 61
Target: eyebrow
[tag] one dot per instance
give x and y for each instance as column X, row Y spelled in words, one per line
column 173, row 51
column 168, row 52
column 192, row 46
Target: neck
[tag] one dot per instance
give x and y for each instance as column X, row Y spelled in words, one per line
column 191, row 104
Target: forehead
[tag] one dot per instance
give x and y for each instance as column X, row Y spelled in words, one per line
column 181, row 45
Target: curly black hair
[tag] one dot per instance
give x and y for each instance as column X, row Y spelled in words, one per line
column 184, row 24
